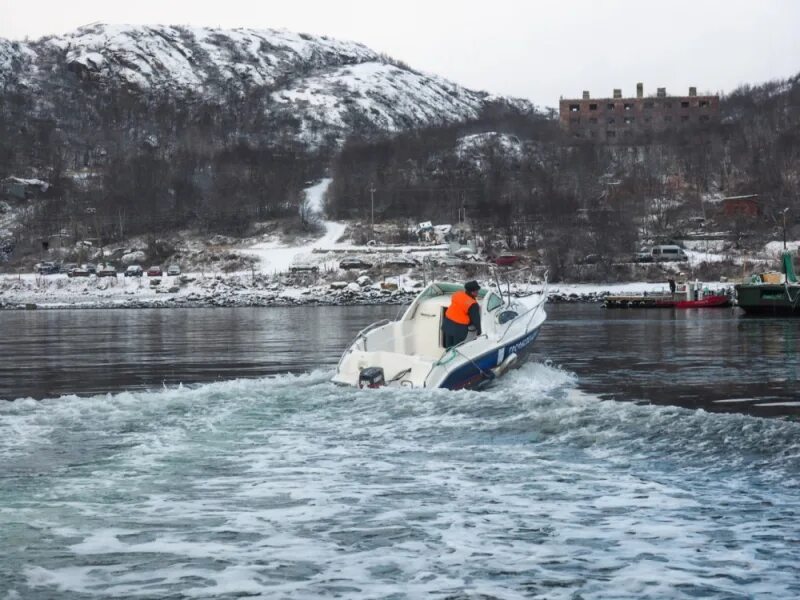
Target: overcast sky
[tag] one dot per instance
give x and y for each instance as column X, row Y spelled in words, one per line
column 538, row 50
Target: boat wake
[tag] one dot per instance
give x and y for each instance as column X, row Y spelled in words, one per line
column 291, row 486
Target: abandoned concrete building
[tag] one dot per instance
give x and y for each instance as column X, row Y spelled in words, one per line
column 616, row 119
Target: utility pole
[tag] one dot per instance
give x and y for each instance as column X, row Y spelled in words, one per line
column 93, row 211
column 372, row 207
column 785, row 210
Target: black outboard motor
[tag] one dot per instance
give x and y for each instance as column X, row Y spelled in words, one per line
column 371, row 377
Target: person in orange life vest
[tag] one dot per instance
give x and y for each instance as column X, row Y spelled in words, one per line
column 462, row 312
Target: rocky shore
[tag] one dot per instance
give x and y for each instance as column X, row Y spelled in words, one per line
column 243, row 291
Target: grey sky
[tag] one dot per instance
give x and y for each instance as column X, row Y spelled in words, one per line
column 535, row 50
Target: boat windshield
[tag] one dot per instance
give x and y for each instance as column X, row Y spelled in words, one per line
column 434, row 290
column 443, row 288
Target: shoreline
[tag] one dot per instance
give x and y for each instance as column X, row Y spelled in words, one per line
column 351, row 295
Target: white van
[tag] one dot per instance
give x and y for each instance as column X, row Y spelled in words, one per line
column 662, row 253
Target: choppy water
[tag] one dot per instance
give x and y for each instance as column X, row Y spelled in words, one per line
column 288, row 487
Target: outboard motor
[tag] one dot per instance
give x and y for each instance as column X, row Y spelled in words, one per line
column 371, row 377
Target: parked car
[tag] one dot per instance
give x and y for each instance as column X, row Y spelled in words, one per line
column 134, row 271
column 78, row 272
column 173, row 270
column 300, row 267
column 506, row 259
column 589, row 259
column 48, row 268
column 662, row 253
column 106, row 271
column 447, row 261
column 354, row 263
column 401, row 261
column 154, row 271
column 91, row 267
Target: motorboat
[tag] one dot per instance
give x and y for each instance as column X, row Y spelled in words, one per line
column 410, row 351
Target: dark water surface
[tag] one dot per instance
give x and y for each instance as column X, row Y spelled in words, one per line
column 118, row 483
column 715, row 359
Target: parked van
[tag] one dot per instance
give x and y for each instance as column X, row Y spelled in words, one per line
column 662, row 253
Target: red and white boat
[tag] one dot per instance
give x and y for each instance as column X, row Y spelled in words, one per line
column 687, row 295
column 693, row 295
column 710, row 301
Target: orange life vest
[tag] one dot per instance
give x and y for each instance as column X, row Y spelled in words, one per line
column 458, row 311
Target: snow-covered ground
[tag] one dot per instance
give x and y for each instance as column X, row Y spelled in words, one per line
column 697, row 256
column 774, row 249
column 248, row 289
column 192, row 289
column 585, row 290
column 275, row 257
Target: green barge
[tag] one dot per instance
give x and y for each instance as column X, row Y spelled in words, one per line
column 765, row 295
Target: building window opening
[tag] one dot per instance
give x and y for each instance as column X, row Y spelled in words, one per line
column 704, row 118
column 574, row 107
column 648, row 104
column 611, row 134
column 628, row 106
column 592, row 120
column 668, row 119
column 684, row 117
column 667, row 104
column 610, row 106
column 685, row 104
column 703, row 103
column 611, row 120
column 593, row 107
column 628, row 120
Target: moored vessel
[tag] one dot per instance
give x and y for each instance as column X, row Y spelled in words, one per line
column 771, row 293
column 688, row 295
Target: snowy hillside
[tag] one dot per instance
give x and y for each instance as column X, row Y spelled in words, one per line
column 15, row 58
column 385, row 97
column 203, row 58
column 324, row 88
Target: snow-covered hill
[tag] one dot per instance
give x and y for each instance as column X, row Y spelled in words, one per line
column 200, row 58
column 325, row 88
column 380, row 95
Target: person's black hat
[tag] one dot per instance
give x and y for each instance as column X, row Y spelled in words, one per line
column 472, row 286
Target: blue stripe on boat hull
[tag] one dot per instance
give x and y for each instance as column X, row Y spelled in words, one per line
column 470, row 376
